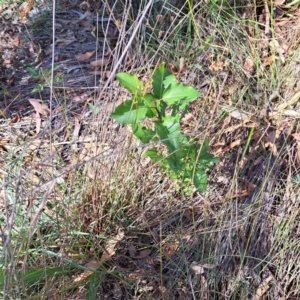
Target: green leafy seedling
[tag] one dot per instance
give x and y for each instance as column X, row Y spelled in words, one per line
column 93, row 108
column 185, row 159
column 37, row 74
column 43, row 76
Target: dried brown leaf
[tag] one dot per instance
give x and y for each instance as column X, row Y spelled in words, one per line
column 95, row 72
column 25, row 8
column 81, row 97
column 85, row 23
column 249, row 65
column 236, row 143
column 107, row 74
column 35, row 144
column 297, row 13
column 182, row 65
column 271, row 137
column 298, row 154
column 223, row 179
column 159, row 18
column 274, row 44
column 257, row 161
column 85, row 56
column 38, row 121
column 282, row 22
column 16, row 119
column 109, row 250
column 209, row 266
column 171, row 247
column 118, row 23
column 16, row 41
column 95, row 264
column 287, row 112
column 244, row 190
column 291, row 113
column 100, row 62
column 235, row 113
column 39, row 107
column 31, row 47
column 268, row 60
column 76, row 129
column 160, row 34
column 230, row 146
column 296, row 136
column 198, row 269
column 3, row 141
column 76, row 134
column 2, row 174
column 218, row 64
column 263, row 288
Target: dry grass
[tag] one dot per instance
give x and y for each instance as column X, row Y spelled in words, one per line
column 85, row 216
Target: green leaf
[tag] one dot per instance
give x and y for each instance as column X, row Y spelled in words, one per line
column 33, row 276
column 176, row 92
column 39, row 88
column 174, row 163
column 170, row 129
column 206, row 158
column 172, row 124
column 204, row 147
column 144, row 134
column 151, row 102
column 93, row 108
column 93, row 287
column 181, row 153
column 161, row 78
column 200, row 180
column 130, row 112
column 154, row 156
column 34, row 73
column 131, row 83
column 164, row 134
column 162, row 108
